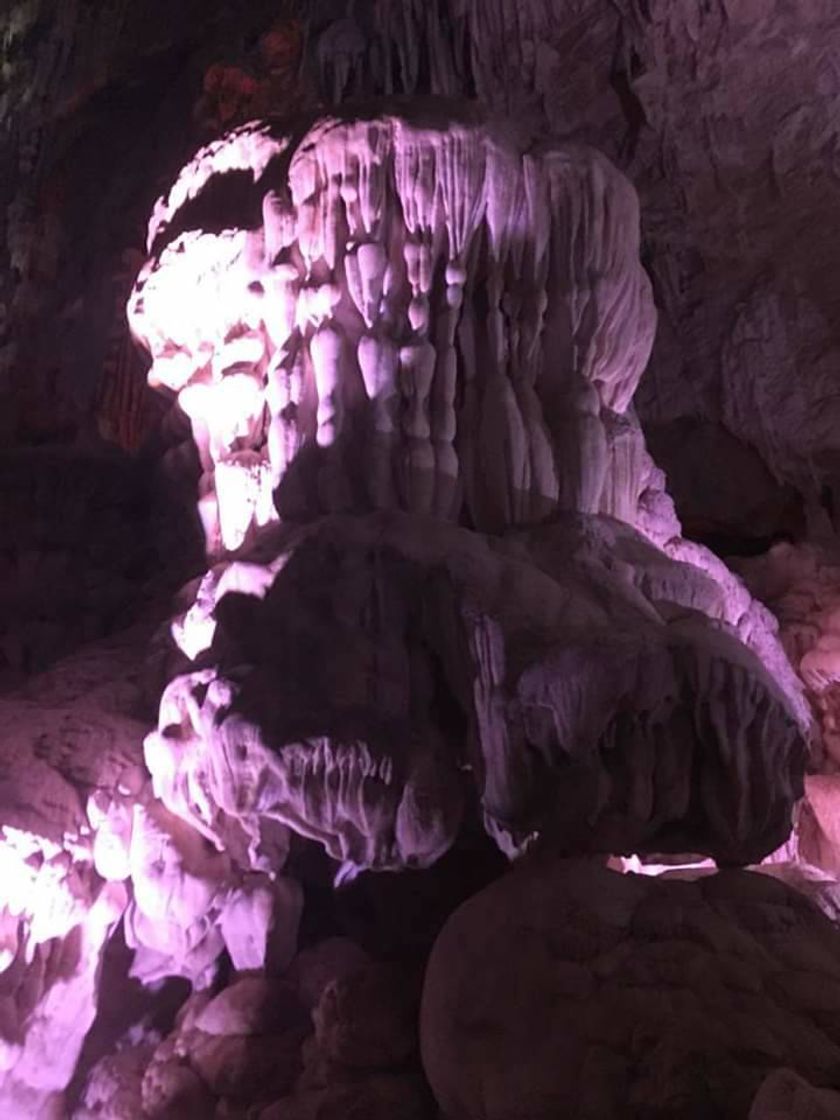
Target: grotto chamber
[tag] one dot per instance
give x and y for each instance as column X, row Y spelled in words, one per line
column 419, row 561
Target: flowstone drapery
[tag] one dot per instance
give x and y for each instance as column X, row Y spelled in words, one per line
column 412, row 341
column 447, row 592
column 425, row 317
column 385, row 662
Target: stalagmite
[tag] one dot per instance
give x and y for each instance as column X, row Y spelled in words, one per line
column 477, row 600
column 378, row 364
column 416, row 374
column 467, row 349
column 325, row 350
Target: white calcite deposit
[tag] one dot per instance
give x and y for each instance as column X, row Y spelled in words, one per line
column 422, row 315
column 582, row 680
column 446, row 584
column 427, row 317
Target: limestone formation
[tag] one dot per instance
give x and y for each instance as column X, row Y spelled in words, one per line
column 430, row 316
column 253, row 1049
column 800, row 584
column 85, row 846
column 448, row 609
column 383, row 293
column 72, row 736
column 575, row 671
column 565, row 989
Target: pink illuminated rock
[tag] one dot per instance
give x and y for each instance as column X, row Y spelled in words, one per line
column 565, row 989
column 252, row 1005
column 83, row 844
column 246, row 1069
column 438, row 322
column 434, row 318
column 819, row 822
column 114, row 1086
column 800, row 583
column 449, row 590
column 607, row 701
column 70, row 732
column 350, row 336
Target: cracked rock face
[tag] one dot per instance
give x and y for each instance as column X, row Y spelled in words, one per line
column 564, row 988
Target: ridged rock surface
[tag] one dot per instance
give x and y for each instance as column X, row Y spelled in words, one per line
column 432, row 315
column 589, row 687
column 728, row 136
